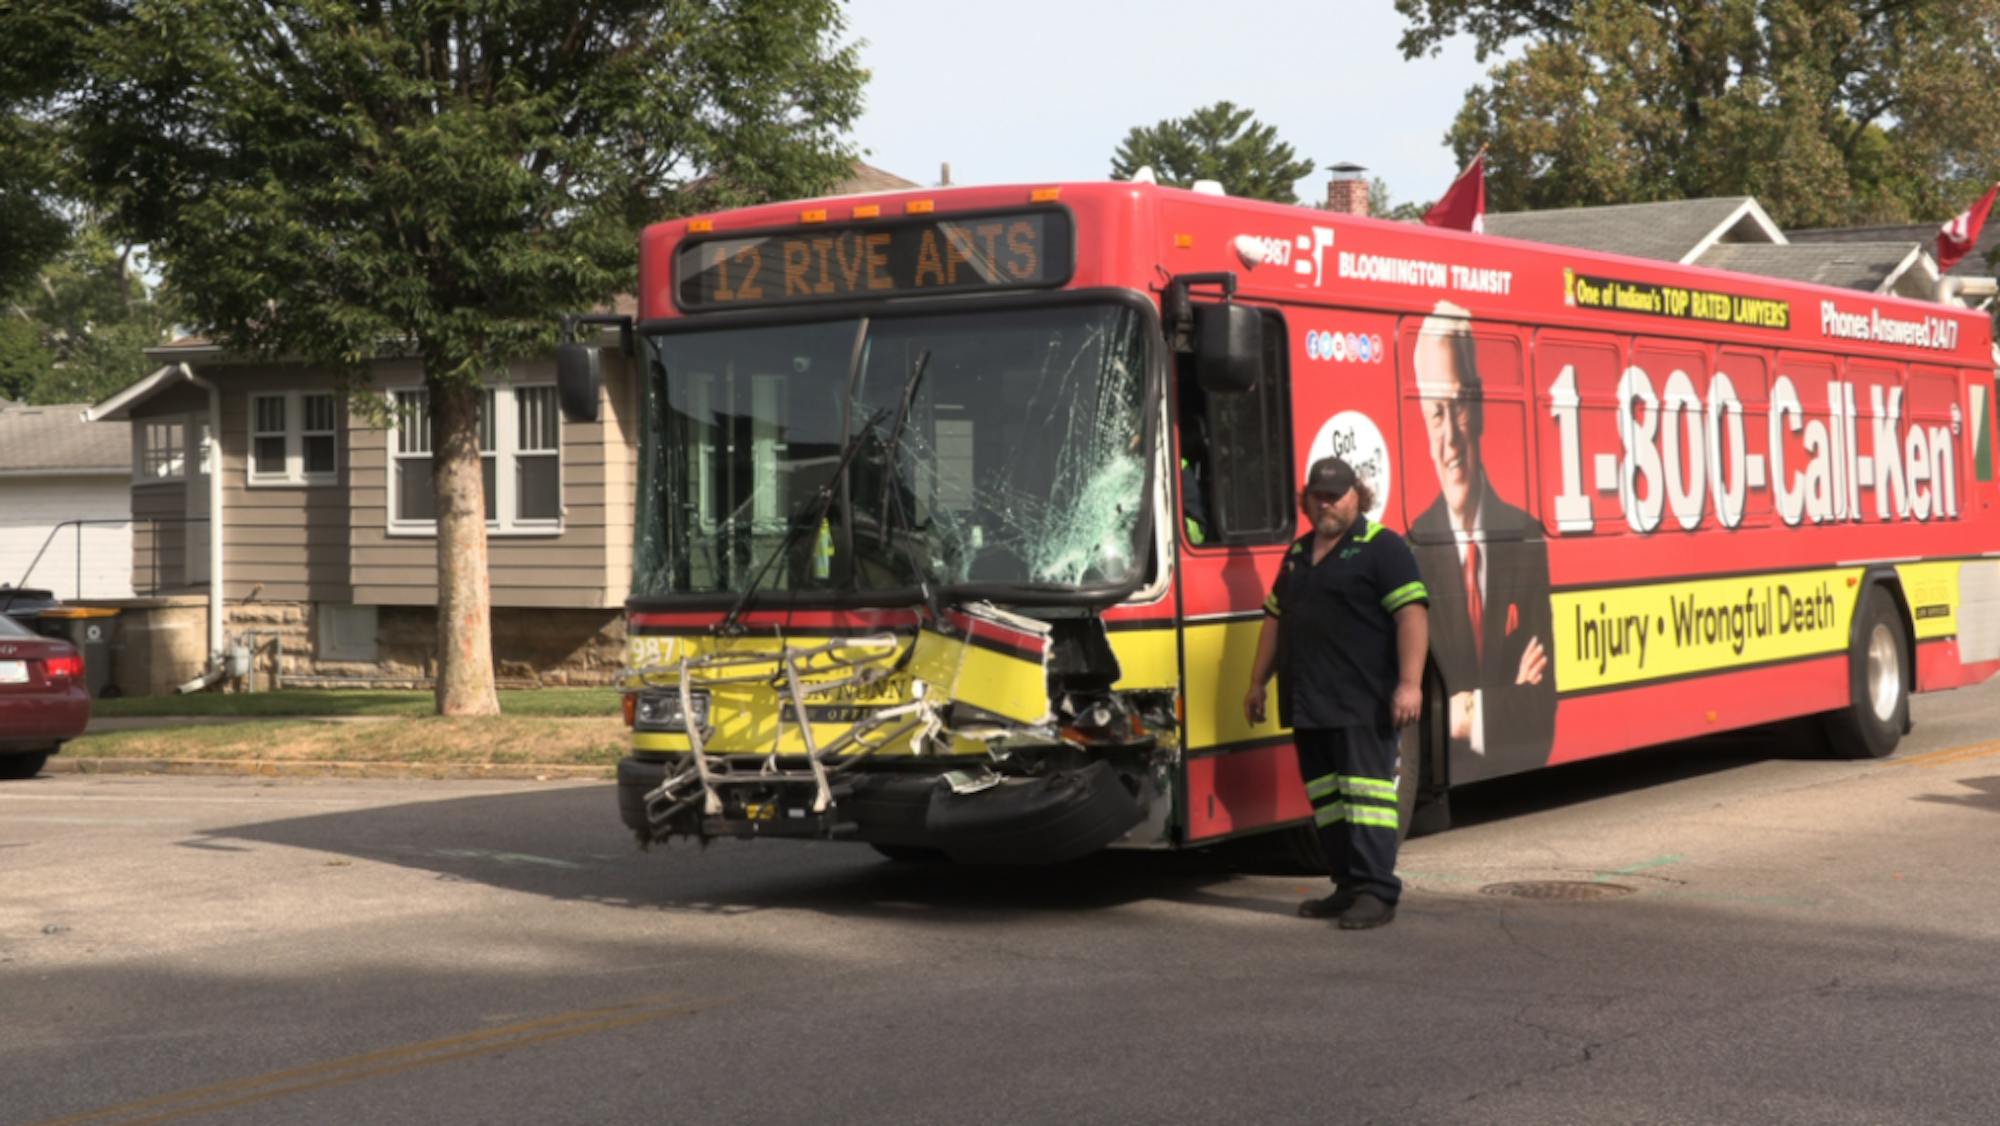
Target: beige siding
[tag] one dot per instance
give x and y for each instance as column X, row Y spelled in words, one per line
column 332, row 542
column 558, row 569
column 280, row 543
column 622, row 423
column 159, row 538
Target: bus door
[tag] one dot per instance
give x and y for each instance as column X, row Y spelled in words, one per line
column 1324, row 387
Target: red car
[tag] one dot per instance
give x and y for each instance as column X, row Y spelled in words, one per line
column 42, row 698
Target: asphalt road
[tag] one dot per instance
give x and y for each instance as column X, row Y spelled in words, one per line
column 1746, row 935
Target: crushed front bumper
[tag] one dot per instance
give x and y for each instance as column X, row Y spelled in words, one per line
column 1036, row 819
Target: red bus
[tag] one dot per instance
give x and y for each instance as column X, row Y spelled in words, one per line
column 957, row 507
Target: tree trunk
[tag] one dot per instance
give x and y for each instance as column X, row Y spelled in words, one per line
column 464, row 614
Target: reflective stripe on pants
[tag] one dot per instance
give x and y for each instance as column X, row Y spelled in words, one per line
column 1350, row 775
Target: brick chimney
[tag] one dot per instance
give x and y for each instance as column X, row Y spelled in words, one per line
column 1347, row 192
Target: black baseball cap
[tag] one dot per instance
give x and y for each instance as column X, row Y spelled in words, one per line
column 1330, row 477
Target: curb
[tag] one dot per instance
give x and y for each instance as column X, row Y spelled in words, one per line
column 259, row 768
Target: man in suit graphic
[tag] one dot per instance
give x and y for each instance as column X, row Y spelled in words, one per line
column 1486, row 566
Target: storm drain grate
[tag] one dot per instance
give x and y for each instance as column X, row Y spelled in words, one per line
column 1563, row 890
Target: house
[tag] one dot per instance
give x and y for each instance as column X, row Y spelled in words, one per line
column 65, row 503
column 1980, row 263
column 315, row 499
column 312, row 497
column 1734, row 233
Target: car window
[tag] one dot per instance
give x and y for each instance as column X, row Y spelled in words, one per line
column 11, row 628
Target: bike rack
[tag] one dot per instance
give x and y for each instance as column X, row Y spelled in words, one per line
column 805, row 674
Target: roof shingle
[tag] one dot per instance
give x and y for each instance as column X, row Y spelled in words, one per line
column 1665, row 231
column 1973, row 265
column 56, row 439
column 1866, row 266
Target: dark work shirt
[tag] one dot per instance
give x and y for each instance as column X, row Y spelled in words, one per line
column 1338, row 665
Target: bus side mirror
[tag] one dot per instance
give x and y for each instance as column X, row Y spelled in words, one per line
column 1228, row 347
column 579, row 381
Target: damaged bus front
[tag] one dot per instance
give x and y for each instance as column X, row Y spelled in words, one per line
column 874, row 547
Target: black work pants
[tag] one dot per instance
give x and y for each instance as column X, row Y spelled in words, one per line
column 1350, row 776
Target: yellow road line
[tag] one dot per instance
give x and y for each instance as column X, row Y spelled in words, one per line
column 1947, row 755
column 388, row 1061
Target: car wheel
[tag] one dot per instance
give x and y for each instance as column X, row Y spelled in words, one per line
column 16, row 767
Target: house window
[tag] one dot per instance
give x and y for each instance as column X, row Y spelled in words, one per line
column 346, row 633
column 319, row 435
column 537, row 457
column 294, row 438
column 520, row 443
column 162, row 454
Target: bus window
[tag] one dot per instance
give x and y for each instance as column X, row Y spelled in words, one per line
column 1236, row 454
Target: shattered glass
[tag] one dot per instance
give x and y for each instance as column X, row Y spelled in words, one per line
column 997, row 447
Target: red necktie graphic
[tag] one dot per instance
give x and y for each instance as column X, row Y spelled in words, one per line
column 1472, row 604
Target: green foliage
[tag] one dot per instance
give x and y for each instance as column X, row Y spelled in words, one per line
column 78, row 331
column 35, row 67
column 23, row 358
column 1830, row 114
column 324, row 179
column 1383, row 206
column 1220, row 142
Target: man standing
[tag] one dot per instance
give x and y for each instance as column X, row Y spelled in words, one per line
column 1346, row 628
column 1487, row 568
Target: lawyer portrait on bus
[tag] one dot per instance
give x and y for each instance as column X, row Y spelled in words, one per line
column 1485, row 563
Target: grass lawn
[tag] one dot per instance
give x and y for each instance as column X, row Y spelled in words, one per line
column 543, row 702
column 497, row 740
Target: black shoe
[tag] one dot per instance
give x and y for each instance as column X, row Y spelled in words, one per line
column 1368, row 911
column 1329, row 906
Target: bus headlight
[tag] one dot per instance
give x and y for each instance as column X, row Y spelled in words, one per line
column 661, row 711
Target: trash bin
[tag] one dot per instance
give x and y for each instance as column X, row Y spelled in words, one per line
column 91, row 629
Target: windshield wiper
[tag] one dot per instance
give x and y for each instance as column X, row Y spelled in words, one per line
column 884, row 534
column 822, row 500
column 889, row 448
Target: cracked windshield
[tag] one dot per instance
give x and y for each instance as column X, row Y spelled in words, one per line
column 981, row 447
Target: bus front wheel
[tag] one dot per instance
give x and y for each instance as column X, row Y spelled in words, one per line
column 1878, row 682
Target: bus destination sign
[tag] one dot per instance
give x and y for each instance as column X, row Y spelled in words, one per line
column 941, row 254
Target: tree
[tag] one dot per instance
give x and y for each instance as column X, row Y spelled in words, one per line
column 329, row 179
column 1830, row 114
column 34, row 65
column 78, row 332
column 1221, row 143
column 1383, row 206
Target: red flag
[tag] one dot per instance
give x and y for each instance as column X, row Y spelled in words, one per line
column 1957, row 238
column 1464, row 204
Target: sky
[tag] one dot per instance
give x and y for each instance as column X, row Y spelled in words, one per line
column 1034, row 90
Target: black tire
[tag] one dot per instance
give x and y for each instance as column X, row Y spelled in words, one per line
column 13, row 768
column 1878, row 682
column 911, row 854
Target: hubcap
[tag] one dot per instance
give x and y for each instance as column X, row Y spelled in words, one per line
column 1885, row 673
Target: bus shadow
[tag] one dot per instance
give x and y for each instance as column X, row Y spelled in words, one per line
column 1985, row 795
column 566, row 843
column 1631, row 772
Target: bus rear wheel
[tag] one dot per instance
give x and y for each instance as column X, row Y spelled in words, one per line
column 1878, row 682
